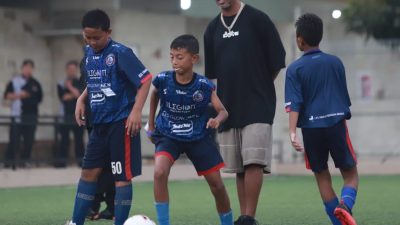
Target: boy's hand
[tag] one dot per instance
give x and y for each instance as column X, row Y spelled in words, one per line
column 80, row 112
column 213, row 123
column 150, row 130
column 24, row 94
column 133, row 123
column 295, row 142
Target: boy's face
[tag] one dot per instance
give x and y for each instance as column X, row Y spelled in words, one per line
column 182, row 61
column 96, row 37
column 72, row 71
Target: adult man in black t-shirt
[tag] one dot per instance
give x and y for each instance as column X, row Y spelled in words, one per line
column 24, row 93
column 244, row 53
column 68, row 92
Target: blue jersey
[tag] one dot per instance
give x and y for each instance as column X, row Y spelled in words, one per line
column 183, row 114
column 113, row 77
column 316, row 88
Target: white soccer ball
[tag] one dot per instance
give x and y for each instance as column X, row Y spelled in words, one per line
column 139, row 220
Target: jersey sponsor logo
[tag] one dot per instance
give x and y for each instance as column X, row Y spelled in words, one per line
column 168, row 116
column 110, row 60
column 179, row 92
column 97, row 98
column 140, row 75
column 312, row 118
column 96, row 73
column 198, row 96
column 96, row 57
column 162, row 75
column 182, row 128
column 230, row 34
column 316, row 57
column 203, row 81
column 173, row 107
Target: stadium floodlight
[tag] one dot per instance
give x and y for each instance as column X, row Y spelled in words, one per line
column 185, row 4
column 336, row 14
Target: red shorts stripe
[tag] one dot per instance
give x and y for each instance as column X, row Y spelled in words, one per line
column 128, row 172
column 308, row 166
column 215, row 168
column 165, row 153
column 349, row 144
column 148, row 76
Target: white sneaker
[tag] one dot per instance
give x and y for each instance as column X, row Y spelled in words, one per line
column 69, row 222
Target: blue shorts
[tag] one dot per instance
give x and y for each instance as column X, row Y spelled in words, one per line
column 109, row 143
column 203, row 153
column 320, row 142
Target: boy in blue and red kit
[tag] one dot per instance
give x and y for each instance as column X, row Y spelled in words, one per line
column 117, row 87
column 183, row 126
column 318, row 102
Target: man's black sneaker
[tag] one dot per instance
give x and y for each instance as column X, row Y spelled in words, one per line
column 248, row 220
column 238, row 221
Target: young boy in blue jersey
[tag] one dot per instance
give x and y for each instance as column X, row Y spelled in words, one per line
column 183, row 126
column 318, row 102
column 117, row 87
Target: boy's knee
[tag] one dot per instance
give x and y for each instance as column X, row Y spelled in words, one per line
column 90, row 175
column 217, row 187
column 160, row 174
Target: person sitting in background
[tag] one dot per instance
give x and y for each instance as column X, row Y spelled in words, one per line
column 68, row 92
column 25, row 93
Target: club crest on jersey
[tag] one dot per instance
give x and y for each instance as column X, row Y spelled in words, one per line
column 198, row 96
column 110, row 59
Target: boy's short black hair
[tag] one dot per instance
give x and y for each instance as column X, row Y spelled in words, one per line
column 72, row 62
column 310, row 27
column 28, row 62
column 96, row 18
column 186, row 41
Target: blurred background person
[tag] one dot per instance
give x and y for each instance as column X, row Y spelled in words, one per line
column 25, row 93
column 68, row 92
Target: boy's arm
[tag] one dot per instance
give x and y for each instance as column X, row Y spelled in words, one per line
column 134, row 121
column 153, row 108
column 220, row 108
column 80, row 108
column 293, row 118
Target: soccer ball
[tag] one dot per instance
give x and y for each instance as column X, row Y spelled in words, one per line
column 139, row 220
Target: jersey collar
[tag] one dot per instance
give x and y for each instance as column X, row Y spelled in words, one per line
column 312, row 51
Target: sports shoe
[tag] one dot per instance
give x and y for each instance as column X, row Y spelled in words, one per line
column 238, row 221
column 106, row 214
column 246, row 220
column 344, row 215
column 69, row 222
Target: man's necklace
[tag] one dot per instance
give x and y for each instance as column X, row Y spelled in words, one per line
column 229, row 28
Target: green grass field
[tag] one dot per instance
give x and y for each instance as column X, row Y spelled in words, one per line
column 284, row 201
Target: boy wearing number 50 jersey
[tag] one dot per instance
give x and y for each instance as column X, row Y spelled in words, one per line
column 117, row 87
